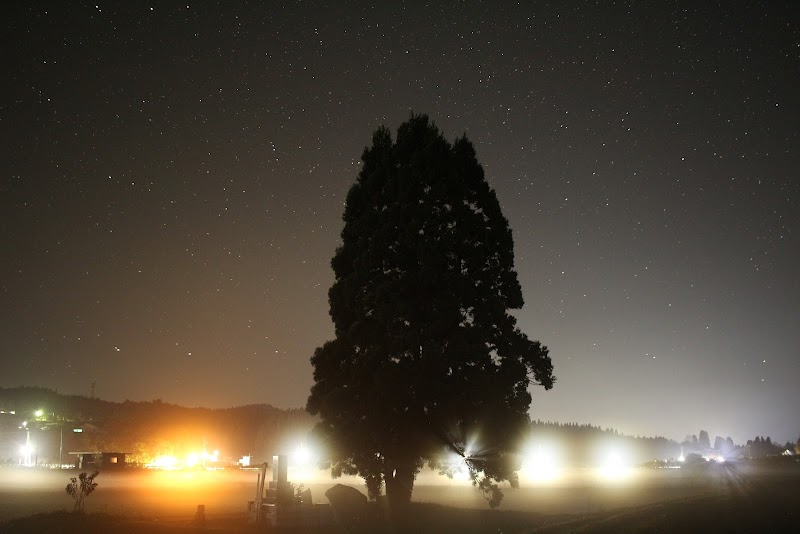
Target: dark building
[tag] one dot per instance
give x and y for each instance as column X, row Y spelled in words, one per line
column 100, row 460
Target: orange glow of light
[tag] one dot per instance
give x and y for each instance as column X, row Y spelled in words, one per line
column 191, row 460
column 164, row 462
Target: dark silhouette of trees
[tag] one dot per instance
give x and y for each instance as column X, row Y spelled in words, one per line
column 703, row 440
column 81, row 487
column 761, row 446
column 578, row 443
column 427, row 364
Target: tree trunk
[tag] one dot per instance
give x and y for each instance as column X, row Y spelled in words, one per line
column 399, row 485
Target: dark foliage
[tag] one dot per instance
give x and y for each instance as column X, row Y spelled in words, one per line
column 703, row 440
column 761, row 446
column 81, row 487
column 427, row 364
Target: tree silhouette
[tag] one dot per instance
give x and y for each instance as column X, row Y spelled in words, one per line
column 427, row 365
column 81, row 487
column 703, row 441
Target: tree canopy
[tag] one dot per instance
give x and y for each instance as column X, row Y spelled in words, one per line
column 427, row 364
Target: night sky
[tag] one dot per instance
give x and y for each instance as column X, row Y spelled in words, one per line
column 174, row 175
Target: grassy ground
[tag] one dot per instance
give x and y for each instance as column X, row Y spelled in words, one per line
column 744, row 499
column 768, row 513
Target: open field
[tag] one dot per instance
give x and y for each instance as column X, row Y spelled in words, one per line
column 731, row 497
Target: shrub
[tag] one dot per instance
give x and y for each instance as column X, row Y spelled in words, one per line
column 81, row 487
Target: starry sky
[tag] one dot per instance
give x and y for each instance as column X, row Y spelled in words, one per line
column 174, row 175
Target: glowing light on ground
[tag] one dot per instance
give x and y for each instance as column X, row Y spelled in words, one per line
column 614, row 467
column 192, row 460
column 303, row 463
column 540, row 466
column 26, row 451
column 302, row 456
column 164, row 462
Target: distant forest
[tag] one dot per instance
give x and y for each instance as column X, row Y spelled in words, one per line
column 149, row 429
column 145, row 429
column 582, row 444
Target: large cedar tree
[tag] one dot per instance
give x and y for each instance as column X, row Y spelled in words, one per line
column 427, row 364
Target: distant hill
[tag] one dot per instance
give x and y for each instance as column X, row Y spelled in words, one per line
column 150, row 429
column 145, row 429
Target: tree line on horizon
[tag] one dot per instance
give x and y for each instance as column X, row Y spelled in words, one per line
column 579, row 443
column 147, row 429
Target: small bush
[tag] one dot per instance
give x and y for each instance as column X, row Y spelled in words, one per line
column 81, row 487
